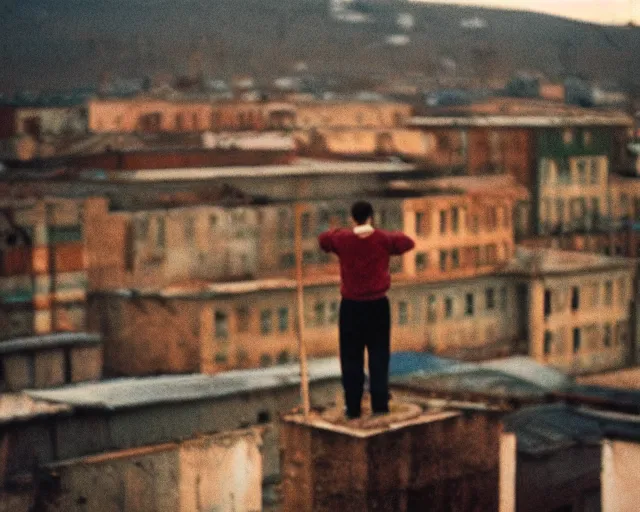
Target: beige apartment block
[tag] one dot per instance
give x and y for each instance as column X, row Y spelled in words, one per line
column 578, row 308
column 147, row 114
column 363, row 141
column 573, row 197
column 351, row 114
column 247, row 324
column 458, row 235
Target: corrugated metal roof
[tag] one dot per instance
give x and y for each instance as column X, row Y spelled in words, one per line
column 404, row 363
column 141, row 392
column 528, row 370
column 550, row 428
column 475, row 380
column 45, row 341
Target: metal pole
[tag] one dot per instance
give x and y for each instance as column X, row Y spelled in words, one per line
column 304, row 375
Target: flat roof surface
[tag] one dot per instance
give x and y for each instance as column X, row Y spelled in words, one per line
column 302, row 167
column 45, row 341
column 205, row 289
column 146, row 391
column 362, row 429
column 622, row 379
column 547, row 429
column 20, row 406
column 534, row 261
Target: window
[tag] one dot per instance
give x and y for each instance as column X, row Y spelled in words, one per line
column 455, row 258
column 547, row 302
column 403, row 313
column 432, row 311
column 443, row 222
column 221, row 326
column 576, row 340
column 622, row 292
column 469, row 306
column 421, row 261
column 242, row 316
column 622, row 332
column 59, row 234
column 319, row 313
column 586, row 138
column 334, row 312
column 160, row 233
column 490, row 298
column 506, row 217
column 475, row 223
column 492, row 218
column 213, row 221
column 283, row 319
column 305, row 223
column 455, row 219
column 492, row 253
column 190, row 229
column 548, row 342
column 608, row 293
column 595, row 171
column 575, row 298
column 419, row 224
column 284, row 225
column 323, row 220
column 266, row 321
column 606, row 338
column 475, row 256
column 287, row 260
column 308, row 257
column 443, row 261
column 448, row 307
column 567, row 136
column 582, row 172
column 503, row 298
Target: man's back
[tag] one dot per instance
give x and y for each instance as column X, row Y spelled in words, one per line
column 364, row 260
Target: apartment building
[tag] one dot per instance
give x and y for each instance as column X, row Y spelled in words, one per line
column 579, row 308
column 147, row 115
column 561, row 154
column 43, row 272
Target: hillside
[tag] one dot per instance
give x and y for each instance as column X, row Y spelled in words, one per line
column 71, row 42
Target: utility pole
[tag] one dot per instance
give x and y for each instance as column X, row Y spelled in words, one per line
column 304, row 375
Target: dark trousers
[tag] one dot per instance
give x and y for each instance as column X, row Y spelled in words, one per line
column 365, row 324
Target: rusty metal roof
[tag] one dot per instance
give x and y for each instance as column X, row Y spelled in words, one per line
column 48, row 341
column 131, row 393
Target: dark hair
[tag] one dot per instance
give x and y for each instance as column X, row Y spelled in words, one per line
column 361, row 211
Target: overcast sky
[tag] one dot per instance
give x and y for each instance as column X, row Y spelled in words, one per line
column 601, row 11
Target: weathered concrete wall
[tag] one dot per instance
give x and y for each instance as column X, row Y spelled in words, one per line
column 620, row 470
column 86, row 364
column 221, row 472
column 49, row 368
column 569, row 478
column 18, row 372
column 448, row 463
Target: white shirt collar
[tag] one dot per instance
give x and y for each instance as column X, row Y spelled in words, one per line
column 364, row 229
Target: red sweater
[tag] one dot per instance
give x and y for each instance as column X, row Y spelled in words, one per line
column 364, row 261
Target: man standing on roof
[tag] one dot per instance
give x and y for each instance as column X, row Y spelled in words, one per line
column 365, row 319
